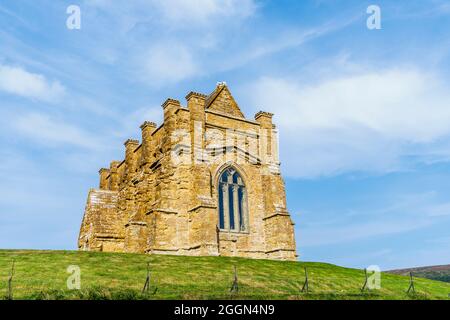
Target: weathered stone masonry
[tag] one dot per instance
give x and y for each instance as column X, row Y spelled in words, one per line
column 205, row 182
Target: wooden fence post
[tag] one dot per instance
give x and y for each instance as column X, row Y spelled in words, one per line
column 411, row 284
column 10, row 279
column 147, row 280
column 364, row 287
column 235, row 286
column 305, row 287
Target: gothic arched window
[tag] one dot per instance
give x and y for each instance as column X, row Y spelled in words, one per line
column 233, row 211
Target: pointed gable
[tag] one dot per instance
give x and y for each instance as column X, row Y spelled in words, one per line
column 222, row 101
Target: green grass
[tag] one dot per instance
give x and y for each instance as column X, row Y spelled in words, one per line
column 43, row 275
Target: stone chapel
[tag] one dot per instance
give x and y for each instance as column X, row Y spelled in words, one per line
column 205, row 182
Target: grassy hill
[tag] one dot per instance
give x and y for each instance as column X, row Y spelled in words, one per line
column 43, row 275
column 440, row 273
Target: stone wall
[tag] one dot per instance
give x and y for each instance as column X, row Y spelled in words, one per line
column 100, row 230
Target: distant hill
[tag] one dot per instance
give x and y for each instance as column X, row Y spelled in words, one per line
column 43, row 275
column 441, row 273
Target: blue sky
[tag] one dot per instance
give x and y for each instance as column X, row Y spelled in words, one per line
column 364, row 115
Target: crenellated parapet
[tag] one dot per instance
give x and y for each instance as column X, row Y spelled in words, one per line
column 263, row 117
column 113, row 180
column 104, row 173
column 147, row 129
column 194, row 94
column 130, row 158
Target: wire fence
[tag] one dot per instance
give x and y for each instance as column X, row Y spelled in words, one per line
column 232, row 286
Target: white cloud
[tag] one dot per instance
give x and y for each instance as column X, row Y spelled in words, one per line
column 344, row 234
column 130, row 123
column 167, row 63
column 166, row 41
column 174, row 40
column 440, row 210
column 178, row 14
column 367, row 121
column 15, row 80
column 401, row 215
column 53, row 132
column 201, row 11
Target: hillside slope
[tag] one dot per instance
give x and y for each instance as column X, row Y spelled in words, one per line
column 440, row 273
column 43, row 275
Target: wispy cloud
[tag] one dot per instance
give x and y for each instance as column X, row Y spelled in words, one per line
column 165, row 41
column 167, row 63
column 179, row 14
column 421, row 9
column 365, row 121
column 13, row 17
column 269, row 43
column 18, row 81
column 202, row 11
column 403, row 214
column 52, row 132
